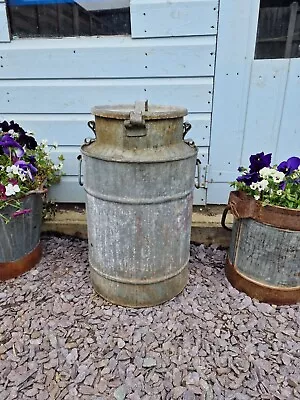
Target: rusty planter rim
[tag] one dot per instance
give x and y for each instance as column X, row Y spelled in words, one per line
column 261, row 291
column 122, row 111
column 243, row 206
column 13, row 269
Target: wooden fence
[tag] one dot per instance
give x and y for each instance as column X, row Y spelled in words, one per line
column 278, row 34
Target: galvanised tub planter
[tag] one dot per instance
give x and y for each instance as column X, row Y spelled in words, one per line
column 20, row 248
column 139, row 179
column 264, row 255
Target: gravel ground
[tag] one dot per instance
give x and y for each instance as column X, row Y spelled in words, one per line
column 58, row 340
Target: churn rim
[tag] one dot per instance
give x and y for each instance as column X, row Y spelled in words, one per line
column 122, row 111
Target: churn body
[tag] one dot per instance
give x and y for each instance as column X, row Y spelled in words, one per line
column 139, row 180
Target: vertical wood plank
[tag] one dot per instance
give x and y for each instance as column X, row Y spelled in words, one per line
column 235, row 54
column 289, row 134
column 291, row 30
column 265, row 104
column 4, row 31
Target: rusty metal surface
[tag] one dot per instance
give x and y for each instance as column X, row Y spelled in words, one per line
column 243, row 206
column 266, row 253
column 122, row 111
column 139, row 209
column 22, row 234
column 13, row 269
column 260, row 291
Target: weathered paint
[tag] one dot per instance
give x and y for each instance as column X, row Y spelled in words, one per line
column 139, row 209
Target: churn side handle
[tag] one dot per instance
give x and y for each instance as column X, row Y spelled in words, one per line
column 197, row 177
column 79, row 158
column 223, row 220
column 186, row 128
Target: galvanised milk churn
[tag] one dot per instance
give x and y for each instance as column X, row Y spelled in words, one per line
column 139, row 179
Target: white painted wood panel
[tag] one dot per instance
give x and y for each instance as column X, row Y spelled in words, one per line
column 235, row 53
column 4, row 32
column 200, row 131
column 112, row 57
column 218, row 193
column 72, row 129
column 79, row 96
column 289, row 135
column 165, row 18
column 67, row 191
column 70, row 153
column 264, row 109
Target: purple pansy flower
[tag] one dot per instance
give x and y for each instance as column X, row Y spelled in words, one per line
column 289, row 166
column 29, row 168
column 5, row 127
column 32, row 160
column 27, row 140
column 282, row 185
column 10, row 145
column 259, row 161
column 249, row 178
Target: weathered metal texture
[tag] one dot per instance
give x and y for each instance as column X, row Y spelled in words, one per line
column 243, row 206
column 139, row 206
column 264, row 260
column 260, row 291
column 20, row 238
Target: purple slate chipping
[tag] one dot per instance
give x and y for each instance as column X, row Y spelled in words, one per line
column 210, row 342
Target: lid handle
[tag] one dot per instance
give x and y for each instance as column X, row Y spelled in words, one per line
column 135, row 125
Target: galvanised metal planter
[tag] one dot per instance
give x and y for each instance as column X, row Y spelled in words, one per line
column 20, row 248
column 139, row 179
column 264, row 255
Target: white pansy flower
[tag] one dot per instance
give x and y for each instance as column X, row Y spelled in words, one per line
column 262, row 185
column 11, row 189
column 279, row 192
column 257, row 197
column 266, row 172
column 278, row 176
column 13, row 170
column 253, row 186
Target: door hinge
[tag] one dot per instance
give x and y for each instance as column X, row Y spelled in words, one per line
column 201, row 175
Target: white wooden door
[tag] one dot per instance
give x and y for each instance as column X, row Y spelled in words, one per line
column 256, row 101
